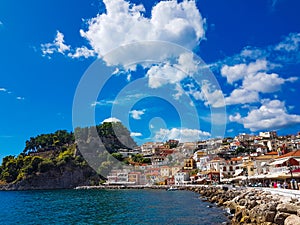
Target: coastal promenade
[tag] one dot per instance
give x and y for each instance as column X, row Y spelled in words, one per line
column 282, row 192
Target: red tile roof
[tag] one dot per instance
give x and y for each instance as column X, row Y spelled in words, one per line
column 290, row 154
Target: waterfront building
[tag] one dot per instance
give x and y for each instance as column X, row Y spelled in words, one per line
column 181, row 177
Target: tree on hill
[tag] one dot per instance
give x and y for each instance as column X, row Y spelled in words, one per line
column 46, row 142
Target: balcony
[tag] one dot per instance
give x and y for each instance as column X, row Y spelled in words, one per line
column 283, row 169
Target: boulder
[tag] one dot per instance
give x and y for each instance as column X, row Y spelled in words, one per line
column 280, row 218
column 292, row 220
column 287, row 208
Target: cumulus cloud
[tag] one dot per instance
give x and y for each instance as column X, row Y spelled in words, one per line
column 111, row 120
column 255, row 80
column 124, row 23
column 242, row 96
column 183, row 135
column 272, row 114
column 263, row 82
column 82, row 52
column 239, row 71
column 210, row 95
column 136, row 114
column 167, row 73
column 3, row 89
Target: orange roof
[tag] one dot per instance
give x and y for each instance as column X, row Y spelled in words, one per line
column 290, row 154
column 236, row 159
column 272, row 153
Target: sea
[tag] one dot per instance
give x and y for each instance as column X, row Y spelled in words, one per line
column 107, row 207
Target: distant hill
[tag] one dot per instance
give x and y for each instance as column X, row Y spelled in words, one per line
column 54, row 161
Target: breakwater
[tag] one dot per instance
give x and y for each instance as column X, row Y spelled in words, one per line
column 246, row 206
column 252, row 206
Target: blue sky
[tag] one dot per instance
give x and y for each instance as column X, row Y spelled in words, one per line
column 250, row 51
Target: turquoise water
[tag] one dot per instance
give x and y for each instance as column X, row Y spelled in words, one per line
column 106, row 207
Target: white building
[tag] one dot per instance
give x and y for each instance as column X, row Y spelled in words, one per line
column 181, row 177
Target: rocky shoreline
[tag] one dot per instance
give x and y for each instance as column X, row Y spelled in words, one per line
column 247, row 206
column 253, row 207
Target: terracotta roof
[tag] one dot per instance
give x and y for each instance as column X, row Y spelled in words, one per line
column 236, row 159
column 272, row 153
column 290, row 154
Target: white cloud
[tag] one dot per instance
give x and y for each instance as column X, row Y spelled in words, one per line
column 210, row 95
column 183, row 135
column 163, row 74
column 290, row 43
column 57, row 45
column 124, row 23
column 111, row 120
column 82, row 52
column 135, row 134
column 167, row 73
column 272, row 114
column 179, row 91
column 20, row 98
column 236, row 118
column 242, row 96
column 3, row 89
column 239, row 71
column 234, row 73
column 136, row 114
column 255, row 80
column 102, row 103
column 263, row 82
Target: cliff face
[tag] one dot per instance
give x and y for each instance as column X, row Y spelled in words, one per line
column 57, row 178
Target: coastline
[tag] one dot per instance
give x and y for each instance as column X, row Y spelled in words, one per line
column 243, row 205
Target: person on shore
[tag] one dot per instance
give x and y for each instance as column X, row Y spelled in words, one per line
column 279, row 185
column 275, row 184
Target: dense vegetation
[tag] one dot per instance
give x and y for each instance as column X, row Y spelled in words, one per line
column 114, row 136
column 14, row 169
column 46, row 142
column 59, row 151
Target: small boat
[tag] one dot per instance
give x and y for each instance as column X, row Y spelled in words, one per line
column 172, row 188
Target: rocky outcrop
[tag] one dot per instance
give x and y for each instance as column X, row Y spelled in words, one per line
column 251, row 206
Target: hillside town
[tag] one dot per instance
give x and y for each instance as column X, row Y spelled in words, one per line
column 266, row 159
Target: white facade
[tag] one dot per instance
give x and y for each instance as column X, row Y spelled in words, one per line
column 181, row 177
